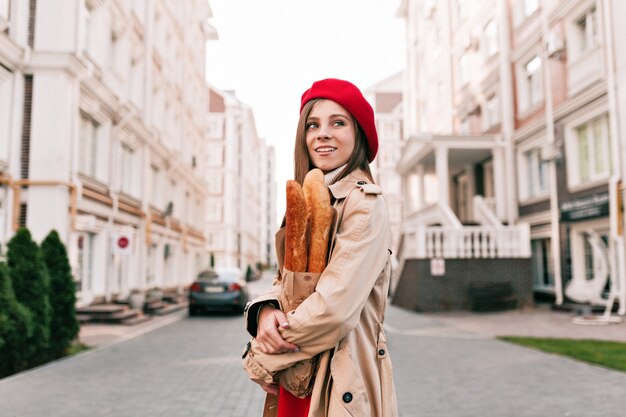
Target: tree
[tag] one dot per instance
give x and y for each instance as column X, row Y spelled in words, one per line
column 30, row 282
column 63, row 324
column 16, row 328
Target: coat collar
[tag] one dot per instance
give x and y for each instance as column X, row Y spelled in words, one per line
column 342, row 188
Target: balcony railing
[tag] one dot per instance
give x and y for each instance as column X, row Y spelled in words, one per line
column 468, row 242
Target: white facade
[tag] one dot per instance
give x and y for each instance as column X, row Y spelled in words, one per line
column 386, row 99
column 268, row 198
column 530, row 118
column 240, row 176
column 105, row 129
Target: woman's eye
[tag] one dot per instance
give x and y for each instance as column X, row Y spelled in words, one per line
column 310, row 126
column 338, row 123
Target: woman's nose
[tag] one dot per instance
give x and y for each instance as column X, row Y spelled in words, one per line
column 323, row 133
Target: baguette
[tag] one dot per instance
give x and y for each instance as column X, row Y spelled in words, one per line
column 320, row 219
column 296, row 228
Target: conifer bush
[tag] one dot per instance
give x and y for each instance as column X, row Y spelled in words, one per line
column 16, row 328
column 63, row 324
column 30, row 283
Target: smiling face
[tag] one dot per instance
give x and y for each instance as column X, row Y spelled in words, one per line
column 330, row 135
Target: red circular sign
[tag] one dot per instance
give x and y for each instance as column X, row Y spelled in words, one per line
column 122, row 242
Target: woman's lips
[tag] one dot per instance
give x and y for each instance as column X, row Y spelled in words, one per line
column 324, row 150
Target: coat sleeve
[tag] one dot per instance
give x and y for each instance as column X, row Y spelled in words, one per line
column 251, row 313
column 334, row 309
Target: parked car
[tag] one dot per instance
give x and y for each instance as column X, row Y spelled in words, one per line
column 218, row 289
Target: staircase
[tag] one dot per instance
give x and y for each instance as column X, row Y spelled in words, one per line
column 120, row 312
column 111, row 314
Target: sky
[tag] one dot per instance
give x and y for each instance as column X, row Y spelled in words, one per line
column 269, row 52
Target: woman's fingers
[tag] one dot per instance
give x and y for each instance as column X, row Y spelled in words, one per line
column 268, row 336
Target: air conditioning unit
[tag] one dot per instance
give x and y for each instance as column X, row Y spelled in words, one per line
column 555, row 45
column 550, row 152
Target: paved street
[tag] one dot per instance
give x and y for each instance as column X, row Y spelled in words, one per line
column 192, row 368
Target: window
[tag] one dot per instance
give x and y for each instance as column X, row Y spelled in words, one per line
column 587, row 30
column 214, row 183
column 136, row 83
column 215, row 155
column 151, row 264
column 536, row 174
column 129, row 172
column 84, row 267
column 491, row 116
column 215, row 129
column 542, row 264
column 89, row 131
column 533, row 77
column 531, row 92
column 490, row 38
column 156, row 187
column 592, row 147
column 6, row 104
column 214, row 211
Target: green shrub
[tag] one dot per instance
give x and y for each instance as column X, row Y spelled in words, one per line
column 16, row 328
column 63, row 324
column 30, row 282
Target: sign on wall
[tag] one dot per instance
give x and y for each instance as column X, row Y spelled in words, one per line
column 596, row 205
column 437, row 267
column 122, row 243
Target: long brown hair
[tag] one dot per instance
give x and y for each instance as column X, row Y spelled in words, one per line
column 302, row 161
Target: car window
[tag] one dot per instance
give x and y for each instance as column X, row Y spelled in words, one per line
column 228, row 276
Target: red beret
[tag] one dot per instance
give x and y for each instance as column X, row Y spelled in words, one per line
column 349, row 97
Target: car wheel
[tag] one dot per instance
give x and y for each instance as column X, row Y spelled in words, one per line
column 193, row 311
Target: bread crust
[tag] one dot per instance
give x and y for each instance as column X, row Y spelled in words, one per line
column 296, row 228
column 320, row 218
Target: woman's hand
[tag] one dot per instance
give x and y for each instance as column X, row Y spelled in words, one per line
column 271, row 388
column 269, row 338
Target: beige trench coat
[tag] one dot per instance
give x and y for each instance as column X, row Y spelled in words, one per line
column 343, row 318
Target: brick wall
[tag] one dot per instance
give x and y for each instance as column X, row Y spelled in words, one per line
column 418, row 290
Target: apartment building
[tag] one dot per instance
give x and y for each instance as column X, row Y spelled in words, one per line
column 386, row 99
column 102, row 136
column 240, row 207
column 513, row 117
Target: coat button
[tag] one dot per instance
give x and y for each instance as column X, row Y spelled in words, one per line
column 381, row 352
column 347, row 397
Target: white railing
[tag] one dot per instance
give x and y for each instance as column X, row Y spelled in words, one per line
column 484, row 212
column 468, row 242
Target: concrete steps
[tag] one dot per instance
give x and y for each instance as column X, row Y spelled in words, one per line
column 111, row 314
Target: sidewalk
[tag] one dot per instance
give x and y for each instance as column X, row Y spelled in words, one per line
column 98, row 335
column 539, row 321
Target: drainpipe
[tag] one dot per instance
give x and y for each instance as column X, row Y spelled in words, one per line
column 549, row 116
column 616, row 237
column 508, row 111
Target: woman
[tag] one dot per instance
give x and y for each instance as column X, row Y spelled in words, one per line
column 342, row 320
